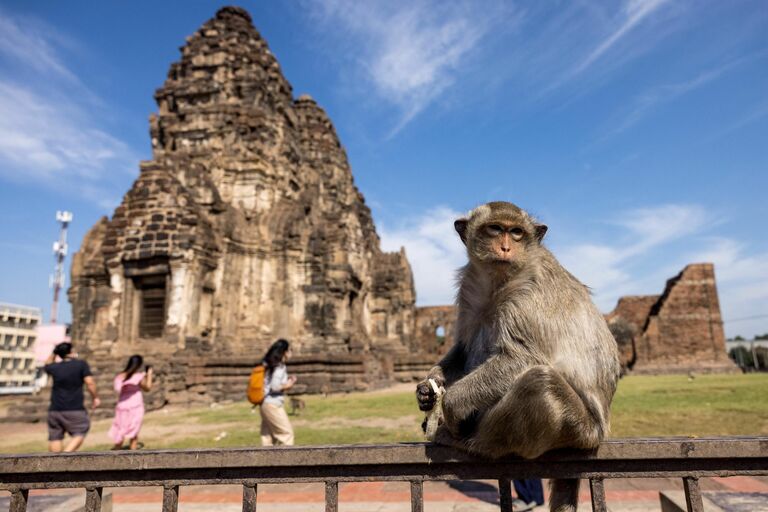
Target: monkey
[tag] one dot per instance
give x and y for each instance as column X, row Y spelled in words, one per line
column 534, row 366
column 297, row 404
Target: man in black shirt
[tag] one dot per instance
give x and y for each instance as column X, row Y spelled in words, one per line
column 67, row 413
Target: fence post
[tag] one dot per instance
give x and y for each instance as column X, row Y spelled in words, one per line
column 417, row 496
column 249, row 497
column 170, row 498
column 19, row 499
column 597, row 490
column 331, row 496
column 693, row 494
column 505, row 495
column 93, row 499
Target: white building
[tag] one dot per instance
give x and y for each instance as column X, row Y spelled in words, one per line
column 18, row 326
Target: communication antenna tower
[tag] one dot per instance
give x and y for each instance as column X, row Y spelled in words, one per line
column 59, row 252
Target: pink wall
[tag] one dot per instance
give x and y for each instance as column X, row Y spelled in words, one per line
column 48, row 336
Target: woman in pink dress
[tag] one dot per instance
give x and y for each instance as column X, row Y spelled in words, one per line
column 129, row 411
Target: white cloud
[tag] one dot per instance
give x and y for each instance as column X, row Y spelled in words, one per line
column 49, row 127
column 31, row 45
column 609, row 268
column 755, row 113
column 633, row 13
column 650, row 227
column 742, row 281
column 410, row 51
column 49, row 139
column 586, row 42
column 597, row 266
column 434, row 251
column 642, row 104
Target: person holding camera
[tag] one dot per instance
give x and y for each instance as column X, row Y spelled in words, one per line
column 129, row 411
column 67, row 413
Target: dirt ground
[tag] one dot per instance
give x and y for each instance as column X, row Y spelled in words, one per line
column 161, row 424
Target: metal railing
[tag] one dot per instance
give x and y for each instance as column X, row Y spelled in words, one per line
column 688, row 459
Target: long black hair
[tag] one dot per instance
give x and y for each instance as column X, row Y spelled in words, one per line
column 134, row 363
column 275, row 354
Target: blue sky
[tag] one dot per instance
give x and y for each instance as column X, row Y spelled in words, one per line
column 637, row 130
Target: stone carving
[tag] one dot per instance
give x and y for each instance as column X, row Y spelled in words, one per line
column 245, row 226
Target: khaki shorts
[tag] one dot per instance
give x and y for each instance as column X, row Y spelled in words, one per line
column 74, row 423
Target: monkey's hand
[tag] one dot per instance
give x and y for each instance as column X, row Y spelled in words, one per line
column 425, row 395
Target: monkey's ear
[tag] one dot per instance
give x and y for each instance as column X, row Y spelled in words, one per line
column 541, row 230
column 461, row 228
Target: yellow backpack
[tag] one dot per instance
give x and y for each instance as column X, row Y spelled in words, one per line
column 256, row 385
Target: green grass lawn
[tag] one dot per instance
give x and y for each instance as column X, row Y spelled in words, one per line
column 643, row 407
column 673, row 405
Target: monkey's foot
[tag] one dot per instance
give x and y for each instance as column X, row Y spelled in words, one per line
column 443, row 436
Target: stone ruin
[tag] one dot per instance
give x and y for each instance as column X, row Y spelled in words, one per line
column 430, row 322
column 246, row 226
column 679, row 331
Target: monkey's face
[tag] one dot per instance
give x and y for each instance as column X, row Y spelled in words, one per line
column 499, row 236
column 500, row 242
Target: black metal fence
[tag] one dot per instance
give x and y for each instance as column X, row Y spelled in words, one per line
column 688, row 459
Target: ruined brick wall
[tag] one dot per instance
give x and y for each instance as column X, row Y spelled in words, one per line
column 682, row 329
column 627, row 322
column 427, row 346
column 428, row 320
column 245, row 226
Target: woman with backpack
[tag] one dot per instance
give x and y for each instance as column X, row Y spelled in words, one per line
column 129, row 411
column 275, row 426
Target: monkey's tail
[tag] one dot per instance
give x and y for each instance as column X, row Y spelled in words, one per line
column 564, row 495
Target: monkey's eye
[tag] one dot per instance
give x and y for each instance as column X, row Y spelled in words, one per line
column 517, row 233
column 493, row 229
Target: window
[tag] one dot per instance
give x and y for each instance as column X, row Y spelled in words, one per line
column 440, row 334
column 151, row 305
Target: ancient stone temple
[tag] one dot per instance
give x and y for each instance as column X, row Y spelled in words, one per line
column 246, row 226
column 680, row 330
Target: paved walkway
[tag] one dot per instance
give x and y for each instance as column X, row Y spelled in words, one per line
column 635, row 495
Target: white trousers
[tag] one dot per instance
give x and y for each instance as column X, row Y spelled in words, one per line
column 276, row 428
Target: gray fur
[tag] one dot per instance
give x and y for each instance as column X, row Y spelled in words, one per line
column 534, row 367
